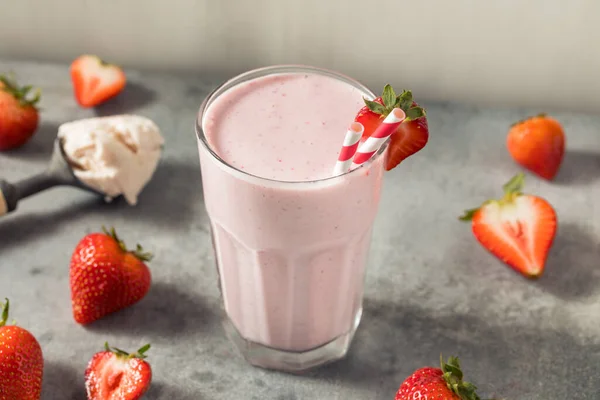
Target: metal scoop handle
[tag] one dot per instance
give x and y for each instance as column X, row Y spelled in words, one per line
column 58, row 173
column 10, row 193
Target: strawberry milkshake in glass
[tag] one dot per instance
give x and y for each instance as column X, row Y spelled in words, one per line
column 291, row 241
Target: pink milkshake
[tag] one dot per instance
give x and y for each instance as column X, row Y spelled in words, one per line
column 291, row 242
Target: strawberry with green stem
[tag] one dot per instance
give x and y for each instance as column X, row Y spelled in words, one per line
column 116, row 374
column 19, row 116
column 410, row 137
column 21, row 361
column 444, row 383
column 518, row 228
column 105, row 276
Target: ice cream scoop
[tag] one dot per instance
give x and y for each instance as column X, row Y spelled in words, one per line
column 109, row 156
column 114, row 155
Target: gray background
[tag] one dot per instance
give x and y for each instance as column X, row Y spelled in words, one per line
column 430, row 287
column 497, row 51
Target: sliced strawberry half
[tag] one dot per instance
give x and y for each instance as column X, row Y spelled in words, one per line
column 519, row 229
column 410, row 137
column 116, row 374
column 95, row 81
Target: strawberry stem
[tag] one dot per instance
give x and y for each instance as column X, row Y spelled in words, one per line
column 123, row 354
column 453, row 376
column 143, row 350
column 377, row 108
column 405, row 100
column 468, row 214
column 513, row 188
column 4, row 316
column 20, row 93
column 389, row 96
column 540, row 115
column 390, row 101
column 139, row 252
column 514, row 185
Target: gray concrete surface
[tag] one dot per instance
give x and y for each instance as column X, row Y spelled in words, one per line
column 430, row 289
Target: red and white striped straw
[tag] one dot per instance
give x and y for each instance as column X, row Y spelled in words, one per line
column 349, row 147
column 378, row 138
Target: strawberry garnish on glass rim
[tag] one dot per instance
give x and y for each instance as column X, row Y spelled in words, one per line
column 410, row 137
column 518, row 228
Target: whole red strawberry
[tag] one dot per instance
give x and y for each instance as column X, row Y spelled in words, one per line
column 106, row 277
column 114, row 374
column 21, row 362
column 18, row 114
column 443, row 383
column 538, row 144
column 410, row 137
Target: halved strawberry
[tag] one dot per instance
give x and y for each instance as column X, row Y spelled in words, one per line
column 519, row 228
column 95, row 81
column 412, row 135
column 115, row 374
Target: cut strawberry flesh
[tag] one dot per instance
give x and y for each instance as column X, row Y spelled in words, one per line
column 95, row 82
column 112, row 377
column 410, row 138
column 519, row 233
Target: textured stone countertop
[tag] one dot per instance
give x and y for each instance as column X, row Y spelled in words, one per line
column 430, row 287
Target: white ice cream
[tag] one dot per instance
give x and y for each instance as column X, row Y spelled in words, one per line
column 115, row 155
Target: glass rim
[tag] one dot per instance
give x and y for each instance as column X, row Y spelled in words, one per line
column 272, row 70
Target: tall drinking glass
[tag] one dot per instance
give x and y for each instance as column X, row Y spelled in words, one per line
column 290, row 254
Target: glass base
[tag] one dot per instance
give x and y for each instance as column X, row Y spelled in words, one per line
column 263, row 356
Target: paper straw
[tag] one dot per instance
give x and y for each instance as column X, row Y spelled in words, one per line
column 378, row 138
column 349, row 147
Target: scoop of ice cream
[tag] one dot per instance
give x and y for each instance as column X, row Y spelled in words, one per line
column 114, row 155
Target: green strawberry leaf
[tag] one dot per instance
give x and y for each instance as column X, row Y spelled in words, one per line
column 141, row 254
column 414, row 113
column 405, row 100
column 4, row 316
column 144, row 349
column 20, row 93
column 375, row 107
column 389, row 97
column 123, row 354
column 141, row 353
column 452, row 367
column 139, row 251
column 454, row 380
column 515, row 185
